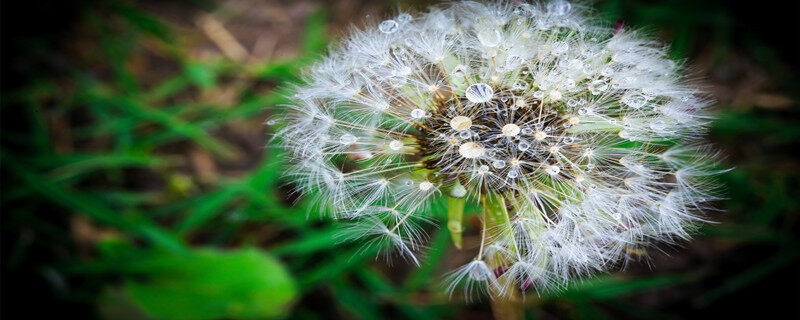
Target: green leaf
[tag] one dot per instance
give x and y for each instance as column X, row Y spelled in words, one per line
column 79, row 202
column 314, row 38
column 211, row 284
column 613, row 287
column 202, row 75
column 455, row 217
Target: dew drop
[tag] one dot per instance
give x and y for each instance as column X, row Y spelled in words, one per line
column 479, row 93
column 513, row 174
column 404, row 17
column 396, row 145
column 460, row 70
column 598, row 86
column 538, row 94
column 635, row 101
column 561, row 48
column 572, row 103
column 489, row 37
column 523, row 146
column 465, row 134
column 425, row 185
column 397, row 82
column 347, row 139
column 658, row 125
column 417, row 113
column 575, row 64
column 388, row 26
column 527, row 131
column 498, row 164
column 513, row 60
column 553, row 170
column 520, row 85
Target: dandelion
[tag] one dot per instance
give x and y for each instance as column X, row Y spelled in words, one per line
column 580, row 144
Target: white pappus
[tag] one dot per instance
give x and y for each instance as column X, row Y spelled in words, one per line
column 589, row 138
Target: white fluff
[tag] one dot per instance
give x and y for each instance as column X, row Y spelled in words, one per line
column 590, row 135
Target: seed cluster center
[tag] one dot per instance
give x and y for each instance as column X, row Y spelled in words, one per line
column 505, row 138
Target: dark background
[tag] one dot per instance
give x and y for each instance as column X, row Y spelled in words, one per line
column 87, row 174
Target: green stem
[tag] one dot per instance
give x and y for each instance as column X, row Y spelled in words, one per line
column 506, row 305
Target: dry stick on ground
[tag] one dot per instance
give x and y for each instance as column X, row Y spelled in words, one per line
column 226, row 42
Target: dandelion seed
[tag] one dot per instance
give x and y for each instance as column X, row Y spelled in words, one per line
column 460, row 123
column 471, row 150
column 510, row 130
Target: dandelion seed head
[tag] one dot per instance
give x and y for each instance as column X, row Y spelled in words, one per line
column 591, row 136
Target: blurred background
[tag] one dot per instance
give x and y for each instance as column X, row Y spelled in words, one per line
column 137, row 182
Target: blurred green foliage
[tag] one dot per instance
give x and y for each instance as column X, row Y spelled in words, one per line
column 208, row 284
column 154, row 221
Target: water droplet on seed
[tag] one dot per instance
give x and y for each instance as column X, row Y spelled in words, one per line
column 489, row 37
column 635, row 101
column 388, row 26
column 598, row 86
column 396, row 145
column 404, row 17
column 479, row 93
column 347, row 139
column 498, row 164
column 425, row 185
column 460, row 70
column 417, row 113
